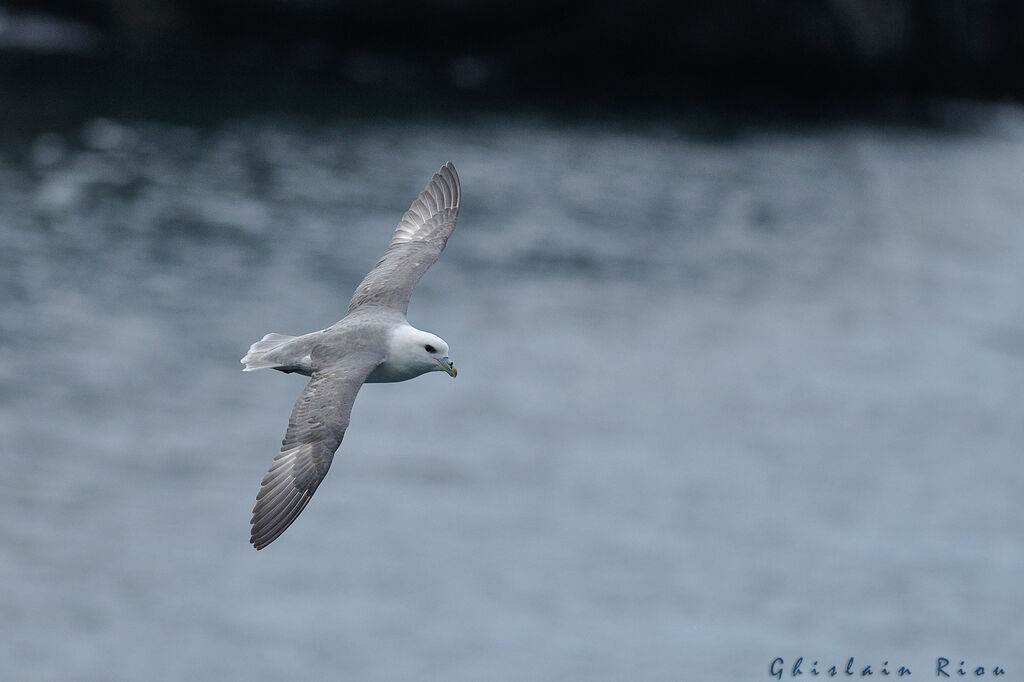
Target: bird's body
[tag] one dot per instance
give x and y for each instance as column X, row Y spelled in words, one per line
column 361, row 330
column 373, row 343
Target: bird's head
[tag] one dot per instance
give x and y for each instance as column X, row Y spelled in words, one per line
column 427, row 352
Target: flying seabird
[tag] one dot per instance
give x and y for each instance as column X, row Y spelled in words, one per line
column 372, row 343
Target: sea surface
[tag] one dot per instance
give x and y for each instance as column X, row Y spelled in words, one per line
column 723, row 397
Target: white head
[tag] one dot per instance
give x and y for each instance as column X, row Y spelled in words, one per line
column 419, row 352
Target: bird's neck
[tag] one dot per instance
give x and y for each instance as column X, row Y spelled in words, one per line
column 403, row 361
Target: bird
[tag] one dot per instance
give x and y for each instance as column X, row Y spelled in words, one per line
column 372, row 343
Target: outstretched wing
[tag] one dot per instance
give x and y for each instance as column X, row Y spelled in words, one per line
column 418, row 241
column 315, row 430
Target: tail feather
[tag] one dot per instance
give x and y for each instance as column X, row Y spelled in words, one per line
column 261, row 353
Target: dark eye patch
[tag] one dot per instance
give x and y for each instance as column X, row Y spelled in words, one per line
column 429, row 348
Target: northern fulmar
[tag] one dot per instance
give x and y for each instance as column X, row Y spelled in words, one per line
column 372, row 343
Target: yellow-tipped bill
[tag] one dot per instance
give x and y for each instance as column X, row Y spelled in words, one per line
column 447, row 366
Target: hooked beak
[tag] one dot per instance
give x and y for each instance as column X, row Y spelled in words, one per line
column 447, row 366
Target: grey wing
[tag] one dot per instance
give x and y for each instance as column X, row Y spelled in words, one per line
column 418, row 241
column 315, row 429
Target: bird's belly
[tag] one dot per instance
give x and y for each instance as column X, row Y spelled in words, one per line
column 387, row 373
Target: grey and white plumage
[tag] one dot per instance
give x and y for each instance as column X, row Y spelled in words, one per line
column 373, row 343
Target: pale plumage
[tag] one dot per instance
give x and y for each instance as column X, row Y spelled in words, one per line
column 372, row 343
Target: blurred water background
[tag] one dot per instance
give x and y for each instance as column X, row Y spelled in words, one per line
column 722, row 398
column 730, row 388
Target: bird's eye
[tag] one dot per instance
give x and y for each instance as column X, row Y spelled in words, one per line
column 429, row 348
